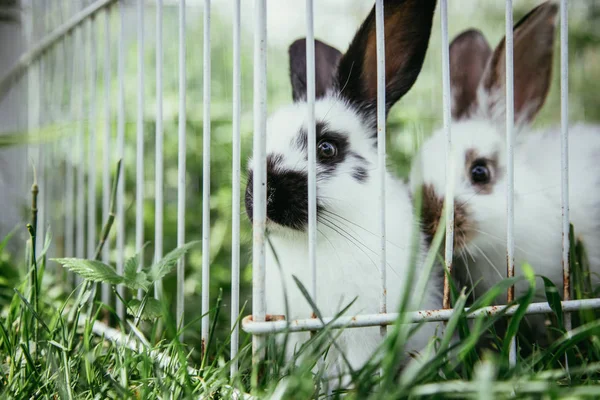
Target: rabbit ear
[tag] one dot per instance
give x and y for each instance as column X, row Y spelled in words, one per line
column 407, row 26
column 469, row 55
column 326, row 60
column 533, row 51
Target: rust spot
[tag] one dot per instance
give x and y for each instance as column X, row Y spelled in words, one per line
column 203, row 348
column 446, row 302
column 268, row 318
column 353, row 318
column 566, row 277
column 274, row 317
column 312, row 332
column 510, row 274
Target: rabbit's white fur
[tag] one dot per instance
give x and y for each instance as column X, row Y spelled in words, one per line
column 537, row 197
column 348, row 253
column 349, row 241
column 478, row 130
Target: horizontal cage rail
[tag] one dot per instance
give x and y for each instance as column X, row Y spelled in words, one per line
column 279, row 324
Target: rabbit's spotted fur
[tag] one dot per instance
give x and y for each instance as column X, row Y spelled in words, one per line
column 479, row 157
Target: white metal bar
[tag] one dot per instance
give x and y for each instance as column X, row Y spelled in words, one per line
column 42, row 195
column 49, row 119
column 206, row 178
column 41, row 157
column 81, row 192
column 446, row 106
column 259, row 191
column 106, row 144
column 91, row 211
column 510, row 143
column 32, row 119
column 139, row 169
column 181, row 167
column 70, row 156
column 159, row 186
column 564, row 122
column 564, row 132
column 236, row 189
column 32, row 77
column 365, row 320
column 48, row 41
column 381, row 151
column 120, row 151
column 312, row 148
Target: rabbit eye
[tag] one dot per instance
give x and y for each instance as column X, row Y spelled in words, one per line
column 327, row 149
column 480, row 174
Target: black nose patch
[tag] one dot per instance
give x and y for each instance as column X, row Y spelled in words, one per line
column 287, row 195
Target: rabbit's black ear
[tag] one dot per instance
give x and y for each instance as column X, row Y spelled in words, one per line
column 326, row 60
column 407, row 26
column 469, row 55
column 532, row 57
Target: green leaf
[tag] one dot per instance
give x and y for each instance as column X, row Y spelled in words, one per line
column 452, row 325
column 7, row 238
column 164, row 266
column 554, row 301
column 132, row 278
column 131, row 266
column 47, row 242
column 32, row 310
column 137, row 281
column 133, row 263
column 152, row 308
column 91, row 270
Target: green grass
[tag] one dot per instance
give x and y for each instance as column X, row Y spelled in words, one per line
column 59, row 347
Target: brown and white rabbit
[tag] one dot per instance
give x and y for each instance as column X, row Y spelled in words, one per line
column 347, row 185
column 479, row 155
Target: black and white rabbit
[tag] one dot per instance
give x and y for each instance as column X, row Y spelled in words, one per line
column 479, row 156
column 347, row 186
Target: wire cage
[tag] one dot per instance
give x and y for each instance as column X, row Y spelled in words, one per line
column 75, row 40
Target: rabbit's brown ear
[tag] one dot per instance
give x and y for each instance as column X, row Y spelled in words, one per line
column 326, row 60
column 407, row 26
column 469, row 55
column 533, row 52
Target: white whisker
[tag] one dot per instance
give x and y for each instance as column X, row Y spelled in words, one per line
column 488, row 260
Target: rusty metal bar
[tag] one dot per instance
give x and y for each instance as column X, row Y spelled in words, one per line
column 259, row 306
column 510, row 147
column 278, row 324
column 206, row 176
column 446, row 105
column 235, row 191
column 564, row 121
